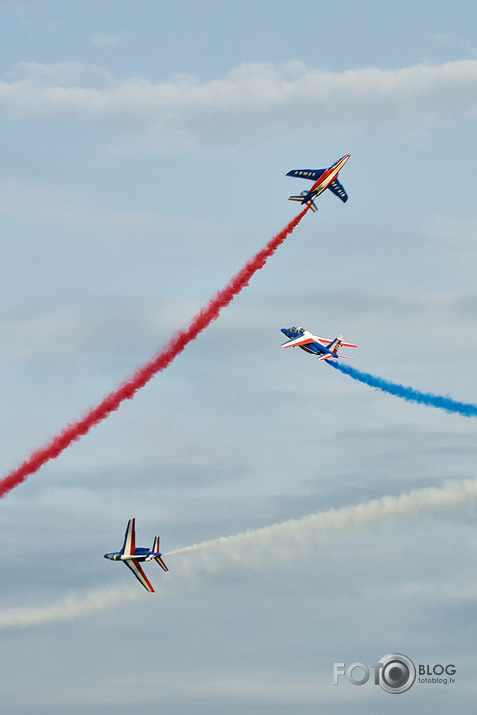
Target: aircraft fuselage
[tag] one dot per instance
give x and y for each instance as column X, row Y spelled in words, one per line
column 327, row 178
column 315, row 348
column 140, row 554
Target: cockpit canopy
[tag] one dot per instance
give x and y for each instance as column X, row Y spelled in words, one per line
column 298, row 330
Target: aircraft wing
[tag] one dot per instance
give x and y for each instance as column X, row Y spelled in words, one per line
column 135, row 567
column 313, row 174
column 338, row 190
column 327, row 341
column 129, row 546
column 302, row 340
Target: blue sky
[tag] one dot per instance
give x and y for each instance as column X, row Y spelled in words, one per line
column 144, row 151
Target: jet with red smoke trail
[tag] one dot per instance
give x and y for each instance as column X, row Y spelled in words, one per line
column 132, row 555
column 324, row 348
column 323, row 179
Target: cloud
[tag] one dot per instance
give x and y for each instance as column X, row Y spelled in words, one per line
column 254, row 102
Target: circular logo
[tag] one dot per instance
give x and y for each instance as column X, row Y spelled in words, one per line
column 397, row 674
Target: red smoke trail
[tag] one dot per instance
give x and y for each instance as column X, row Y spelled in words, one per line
column 129, row 388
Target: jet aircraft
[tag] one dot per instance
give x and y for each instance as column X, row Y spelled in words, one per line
column 323, row 179
column 324, row 348
column 132, row 555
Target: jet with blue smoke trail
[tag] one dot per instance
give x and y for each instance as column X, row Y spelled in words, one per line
column 409, row 393
column 324, row 348
column 327, row 350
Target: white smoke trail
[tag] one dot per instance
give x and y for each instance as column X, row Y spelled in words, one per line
column 252, row 549
column 272, row 543
column 70, row 607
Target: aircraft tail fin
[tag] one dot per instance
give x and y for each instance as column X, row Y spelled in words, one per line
column 335, row 344
column 161, row 563
column 333, row 348
column 302, row 199
column 157, row 554
column 328, row 356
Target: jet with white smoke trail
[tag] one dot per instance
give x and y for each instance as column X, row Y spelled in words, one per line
column 132, row 555
column 258, row 549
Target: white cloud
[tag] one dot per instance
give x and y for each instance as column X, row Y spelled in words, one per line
column 253, row 102
column 42, row 75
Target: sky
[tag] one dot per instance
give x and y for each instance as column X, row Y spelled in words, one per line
column 144, row 148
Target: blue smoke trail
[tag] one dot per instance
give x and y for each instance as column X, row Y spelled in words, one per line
column 408, row 393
